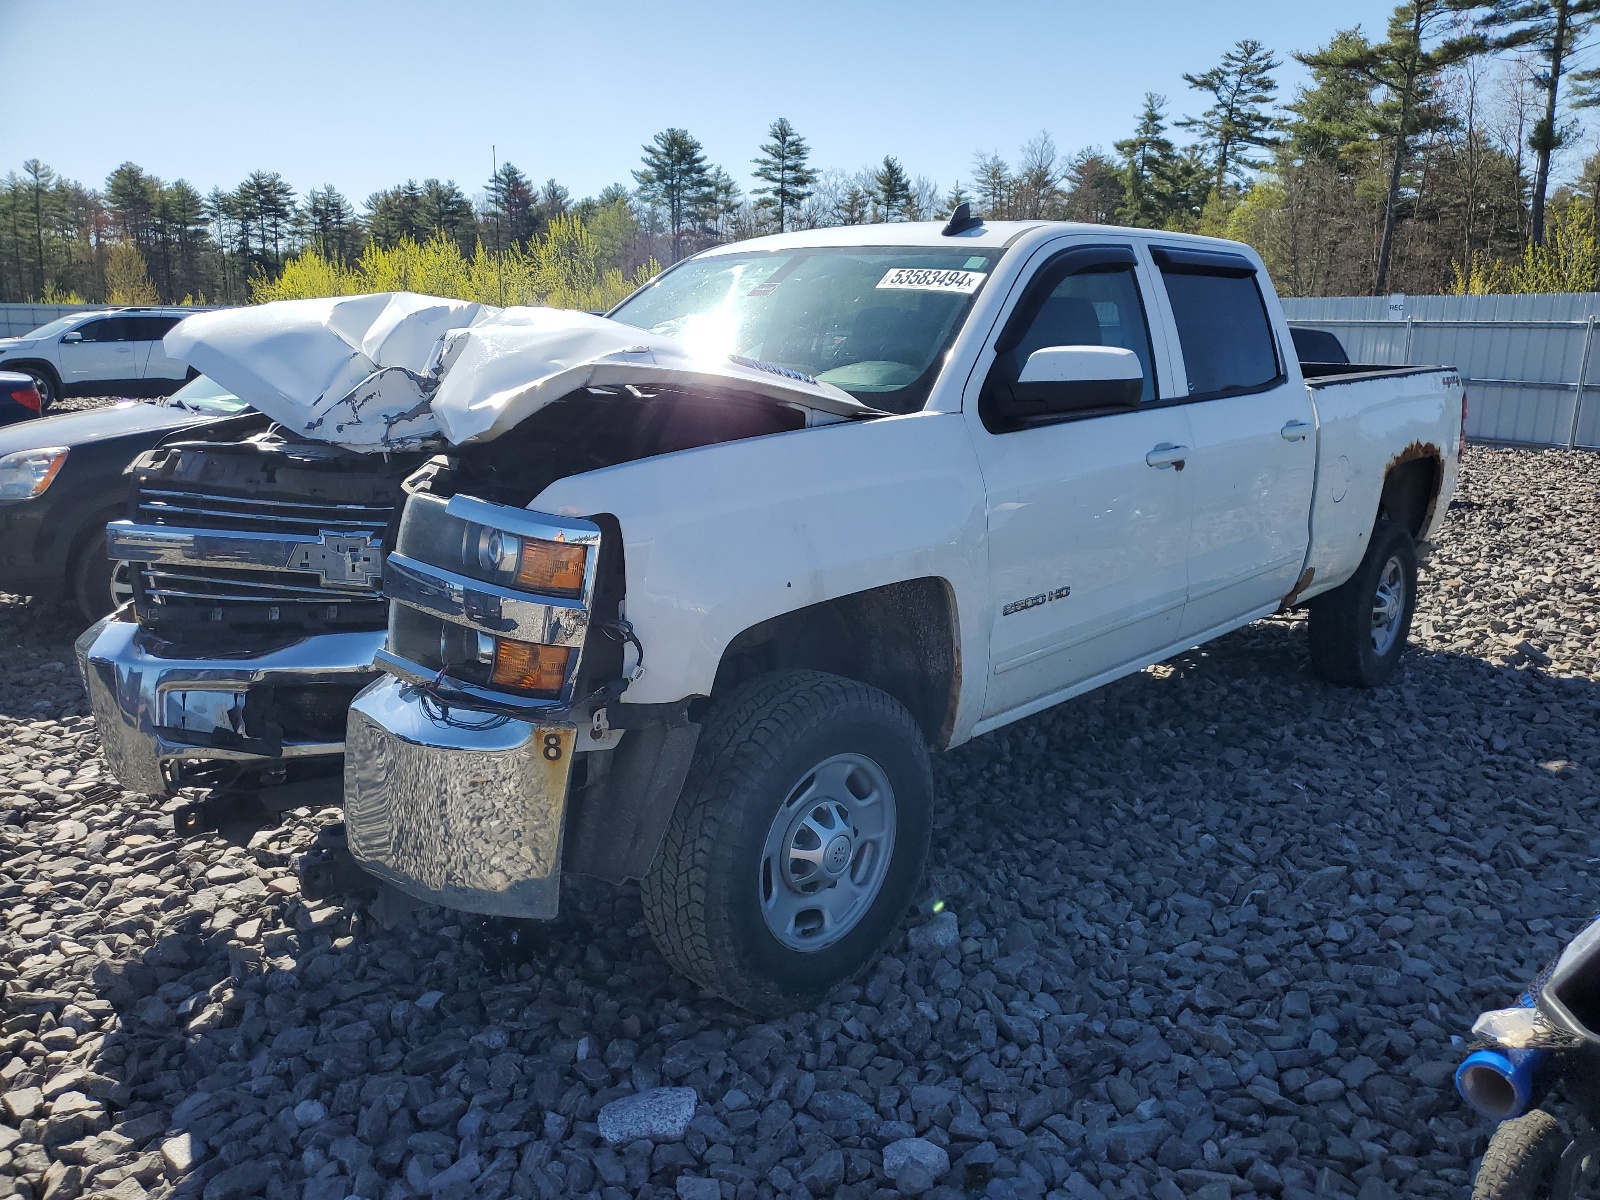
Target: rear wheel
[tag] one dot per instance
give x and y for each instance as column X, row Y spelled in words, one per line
column 798, row 841
column 1359, row 630
column 1520, row 1163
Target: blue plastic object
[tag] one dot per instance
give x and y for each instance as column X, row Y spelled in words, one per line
column 1499, row 1083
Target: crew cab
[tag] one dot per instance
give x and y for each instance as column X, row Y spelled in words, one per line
column 690, row 593
column 110, row 352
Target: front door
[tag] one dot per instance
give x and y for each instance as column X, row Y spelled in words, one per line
column 1087, row 517
column 104, row 355
column 1254, row 447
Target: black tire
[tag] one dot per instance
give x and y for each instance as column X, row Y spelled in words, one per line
column 1520, row 1163
column 92, row 578
column 703, row 894
column 1343, row 649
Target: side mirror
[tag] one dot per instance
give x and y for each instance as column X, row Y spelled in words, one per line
column 1059, row 380
column 70, row 337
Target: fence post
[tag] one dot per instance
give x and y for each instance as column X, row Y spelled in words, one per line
column 1410, row 329
column 1583, row 377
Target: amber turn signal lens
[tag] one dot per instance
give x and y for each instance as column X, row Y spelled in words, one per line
column 552, row 567
column 530, row 668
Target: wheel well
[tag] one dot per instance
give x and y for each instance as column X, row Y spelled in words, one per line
column 38, row 364
column 900, row 638
column 1411, row 488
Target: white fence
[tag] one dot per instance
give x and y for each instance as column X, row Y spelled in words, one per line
column 1530, row 363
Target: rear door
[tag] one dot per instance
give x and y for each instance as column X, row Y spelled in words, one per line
column 148, row 332
column 1254, row 448
column 104, row 355
column 1087, row 517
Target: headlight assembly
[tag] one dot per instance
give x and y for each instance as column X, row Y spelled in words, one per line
column 27, row 473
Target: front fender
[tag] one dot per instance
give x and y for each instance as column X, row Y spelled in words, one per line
column 722, row 537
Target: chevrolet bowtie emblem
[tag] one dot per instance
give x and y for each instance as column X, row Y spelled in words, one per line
column 339, row 559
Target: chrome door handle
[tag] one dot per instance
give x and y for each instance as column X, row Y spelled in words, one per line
column 1295, row 431
column 1166, row 455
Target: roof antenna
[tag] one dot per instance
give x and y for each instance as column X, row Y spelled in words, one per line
column 961, row 220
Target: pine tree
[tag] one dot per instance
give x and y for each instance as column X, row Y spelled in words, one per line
column 1094, row 188
column 1241, row 88
column 41, row 181
column 784, row 165
column 675, row 177
column 1555, row 32
column 1147, row 160
column 1406, row 65
column 513, row 208
column 130, row 195
column 891, row 189
column 395, row 215
column 720, row 203
column 445, row 211
column 264, row 203
column 328, row 225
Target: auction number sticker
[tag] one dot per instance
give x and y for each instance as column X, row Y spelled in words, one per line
column 927, row 279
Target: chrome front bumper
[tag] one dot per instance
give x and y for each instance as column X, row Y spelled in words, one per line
column 152, row 711
column 463, row 809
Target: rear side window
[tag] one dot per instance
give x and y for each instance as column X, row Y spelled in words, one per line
column 1222, row 321
column 150, row 329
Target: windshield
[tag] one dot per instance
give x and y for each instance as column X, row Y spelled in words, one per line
column 59, row 325
column 872, row 321
column 204, row 395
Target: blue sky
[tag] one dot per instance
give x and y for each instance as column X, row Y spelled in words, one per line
column 365, row 94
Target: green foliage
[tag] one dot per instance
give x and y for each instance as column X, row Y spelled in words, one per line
column 784, row 165
column 566, row 268
column 1566, row 261
column 1556, row 32
column 891, row 190
column 1241, row 88
column 675, row 177
column 1149, row 167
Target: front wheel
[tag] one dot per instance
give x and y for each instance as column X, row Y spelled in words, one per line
column 1359, row 630
column 1521, row 1161
column 798, row 842
column 99, row 584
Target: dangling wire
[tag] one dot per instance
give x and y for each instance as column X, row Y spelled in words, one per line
column 436, row 704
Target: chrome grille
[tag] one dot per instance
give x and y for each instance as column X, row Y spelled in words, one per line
column 182, row 594
column 164, row 506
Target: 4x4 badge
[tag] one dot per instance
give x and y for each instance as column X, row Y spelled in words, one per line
column 340, row 559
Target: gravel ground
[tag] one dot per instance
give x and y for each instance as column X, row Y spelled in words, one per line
column 1215, row 930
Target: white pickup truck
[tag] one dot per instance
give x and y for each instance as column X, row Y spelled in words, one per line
column 696, row 604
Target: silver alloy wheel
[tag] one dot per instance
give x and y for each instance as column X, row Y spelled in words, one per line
column 121, row 583
column 827, row 852
column 1388, row 606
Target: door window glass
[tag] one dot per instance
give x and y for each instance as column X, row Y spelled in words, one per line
column 111, row 329
column 1096, row 308
column 1224, row 331
column 150, row 329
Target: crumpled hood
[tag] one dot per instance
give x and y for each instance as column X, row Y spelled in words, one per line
column 388, row 371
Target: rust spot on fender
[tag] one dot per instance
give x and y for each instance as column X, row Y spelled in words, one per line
column 1300, row 585
column 1413, row 452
